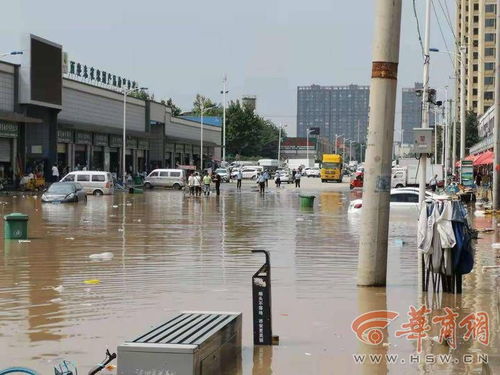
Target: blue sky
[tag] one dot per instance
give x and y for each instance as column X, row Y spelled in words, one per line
column 267, row 48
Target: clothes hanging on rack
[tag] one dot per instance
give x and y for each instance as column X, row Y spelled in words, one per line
column 444, row 236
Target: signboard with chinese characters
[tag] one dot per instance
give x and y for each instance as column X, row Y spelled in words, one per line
column 131, row 142
column 98, row 77
column 115, row 141
column 83, row 138
column 261, row 294
column 64, row 136
column 8, row 129
column 100, row 140
column 143, row 144
column 467, row 173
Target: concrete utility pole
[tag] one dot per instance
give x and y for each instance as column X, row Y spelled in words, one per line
column 449, row 127
column 496, row 129
column 425, row 100
column 454, row 139
column 462, row 101
column 372, row 263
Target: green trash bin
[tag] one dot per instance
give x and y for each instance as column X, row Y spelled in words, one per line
column 306, row 201
column 15, row 226
column 138, row 180
column 135, row 190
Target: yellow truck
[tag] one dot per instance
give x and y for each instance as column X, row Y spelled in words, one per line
column 331, row 168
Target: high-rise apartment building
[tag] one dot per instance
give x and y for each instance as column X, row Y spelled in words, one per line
column 411, row 112
column 341, row 110
column 476, row 31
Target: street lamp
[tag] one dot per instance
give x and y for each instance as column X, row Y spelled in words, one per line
column 280, row 127
column 350, row 149
column 202, row 109
column 224, row 92
column 126, row 92
column 11, row 53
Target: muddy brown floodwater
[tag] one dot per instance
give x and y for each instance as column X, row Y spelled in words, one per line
column 174, row 253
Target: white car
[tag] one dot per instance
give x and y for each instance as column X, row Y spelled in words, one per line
column 312, row 172
column 400, row 198
column 223, row 173
column 285, row 177
column 248, row 172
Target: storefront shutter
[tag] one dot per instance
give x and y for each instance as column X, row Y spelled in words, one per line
column 5, row 150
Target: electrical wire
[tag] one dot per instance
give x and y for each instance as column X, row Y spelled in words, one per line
column 447, row 17
column 418, row 28
column 442, row 33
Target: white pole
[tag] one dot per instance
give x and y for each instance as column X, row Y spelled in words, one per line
column 350, row 150
column 425, row 99
column 124, row 168
column 335, row 143
column 435, row 112
column 279, row 146
column 202, row 108
column 462, row 102
column 454, row 139
column 374, row 226
column 496, row 127
column 224, row 120
column 307, row 146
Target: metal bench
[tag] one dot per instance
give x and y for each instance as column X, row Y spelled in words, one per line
column 192, row 343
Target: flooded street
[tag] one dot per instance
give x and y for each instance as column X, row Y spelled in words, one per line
column 174, row 253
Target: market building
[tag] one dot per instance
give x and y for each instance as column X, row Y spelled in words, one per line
column 54, row 111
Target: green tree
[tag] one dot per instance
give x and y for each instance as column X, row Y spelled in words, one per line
column 211, row 108
column 176, row 111
column 141, row 94
column 471, row 132
column 248, row 134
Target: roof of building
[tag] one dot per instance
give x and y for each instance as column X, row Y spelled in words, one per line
column 207, row 120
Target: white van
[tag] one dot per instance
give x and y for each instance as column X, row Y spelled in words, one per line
column 174, row 178
column 93, row 182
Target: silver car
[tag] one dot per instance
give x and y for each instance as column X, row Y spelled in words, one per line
column 223, row 173
column 64, row 192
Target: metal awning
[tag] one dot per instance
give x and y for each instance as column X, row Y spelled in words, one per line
column 18, row 117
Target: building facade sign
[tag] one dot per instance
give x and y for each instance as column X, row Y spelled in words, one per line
column 8, row 130
column 115, row 141
column 64, row 136
column 98, row 77
column 143, row 144
column 100, row 140
column 83, row 138
column 131, row 142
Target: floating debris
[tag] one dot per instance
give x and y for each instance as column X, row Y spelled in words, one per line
column 92, row 282
column 101, row 256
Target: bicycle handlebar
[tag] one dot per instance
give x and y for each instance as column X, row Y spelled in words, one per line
column 102, row 365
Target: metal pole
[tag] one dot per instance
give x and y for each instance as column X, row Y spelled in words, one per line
column 202, row 108
column 496, row 129
column 279, row 146
column 462, row 101
column 435, row 113
column 350, row 150
column 454, row 140
column 336, row 144
column 425, row 100
column 373, row 243
column 307, row 146
column 124, row 168
column 224, row 120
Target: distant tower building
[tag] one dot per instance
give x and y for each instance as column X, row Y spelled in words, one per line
column 411, row 112
column 249, row 101
column 341, row 110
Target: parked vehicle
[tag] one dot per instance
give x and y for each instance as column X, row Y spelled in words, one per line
column 400, row 198
column 249, row 172
column 173, row 178
column 93, row 182
column 312, row 172
column 408, row 175
column 64, row 192
column 285, row 176
column 223, row 173
column 331, row 168
column 269, row 164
